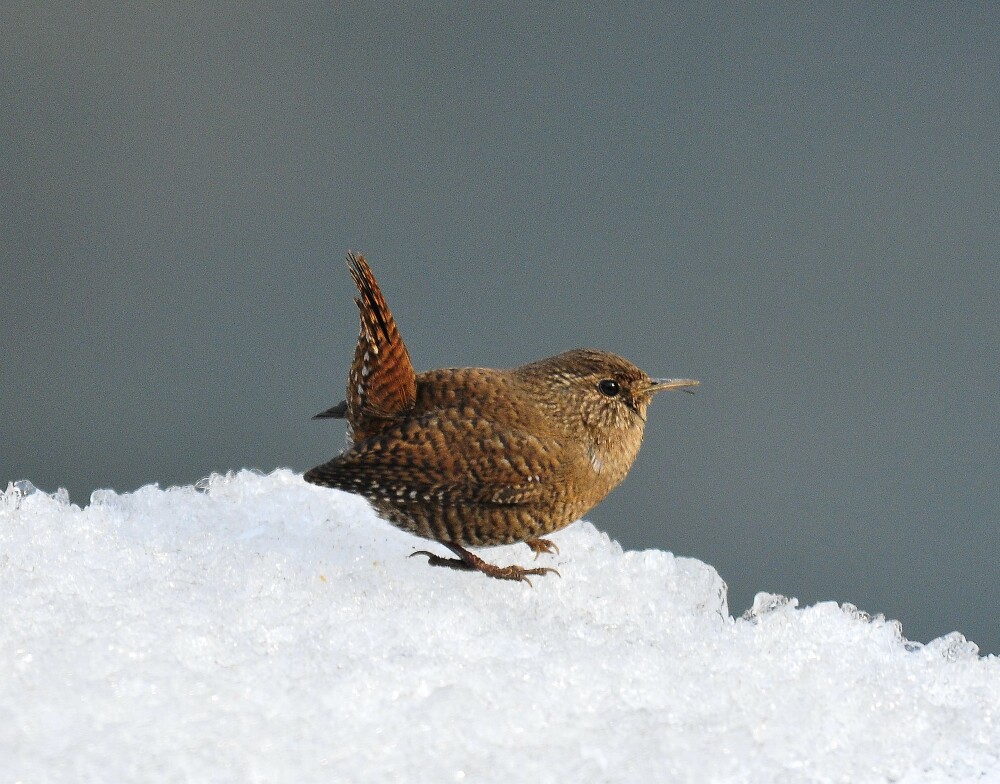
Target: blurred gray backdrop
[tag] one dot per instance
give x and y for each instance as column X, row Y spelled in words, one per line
column 797, row 205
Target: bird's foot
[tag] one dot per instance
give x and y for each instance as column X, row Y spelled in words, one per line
column 437, row 560
column 542, row 546
column 472, row 562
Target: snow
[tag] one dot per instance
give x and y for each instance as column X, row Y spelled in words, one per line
column 256, row 628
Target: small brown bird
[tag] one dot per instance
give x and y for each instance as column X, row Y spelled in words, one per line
column 480, row 457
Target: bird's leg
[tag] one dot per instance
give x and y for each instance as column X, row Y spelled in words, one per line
column 540, row 546
column 472, row 562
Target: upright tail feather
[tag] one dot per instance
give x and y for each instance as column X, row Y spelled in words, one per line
column 382, row 383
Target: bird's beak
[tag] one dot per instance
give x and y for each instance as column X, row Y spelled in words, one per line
column 662, row 384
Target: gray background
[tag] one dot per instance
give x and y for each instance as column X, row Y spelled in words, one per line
column 799, row 207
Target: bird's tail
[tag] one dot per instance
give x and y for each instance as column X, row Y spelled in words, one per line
column 381, row 383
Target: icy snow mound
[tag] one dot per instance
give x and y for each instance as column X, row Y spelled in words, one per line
column 256, row 628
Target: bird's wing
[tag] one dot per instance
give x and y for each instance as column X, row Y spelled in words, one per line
column 443, row 457
column 381, row 384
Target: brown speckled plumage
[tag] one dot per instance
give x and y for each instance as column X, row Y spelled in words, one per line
column 479, row 457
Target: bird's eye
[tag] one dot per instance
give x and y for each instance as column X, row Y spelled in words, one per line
column 609, row 387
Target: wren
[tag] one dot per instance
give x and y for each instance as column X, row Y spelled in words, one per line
column 474, row 457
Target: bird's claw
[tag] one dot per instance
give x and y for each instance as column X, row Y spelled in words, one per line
column 437, row 560
column 468, row 561
column 540, row 546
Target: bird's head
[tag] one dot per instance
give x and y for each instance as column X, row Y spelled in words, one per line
column 609, row 393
